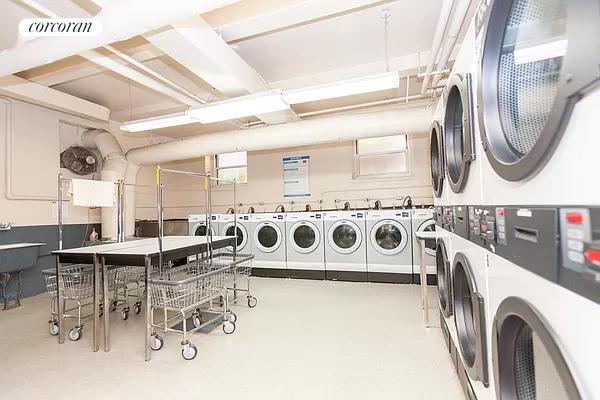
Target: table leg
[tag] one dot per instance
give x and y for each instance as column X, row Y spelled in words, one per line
column 96, row 327
column 424, row 285
column 148, row 310
column 60, row 305
column 106, row 306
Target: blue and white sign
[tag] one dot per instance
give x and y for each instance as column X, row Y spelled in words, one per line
column 296, row 176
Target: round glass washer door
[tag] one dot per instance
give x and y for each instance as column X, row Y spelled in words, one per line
column 200, row 230
column 528, row 360
column 436, row 150
column 458, row 131
column 389, row 237
column 242, row 235
column 538, row 56
column 267, row 237
column 344, row 236
column 304, row 237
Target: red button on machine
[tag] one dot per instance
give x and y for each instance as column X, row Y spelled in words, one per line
column 593, row 256
column 575, row 218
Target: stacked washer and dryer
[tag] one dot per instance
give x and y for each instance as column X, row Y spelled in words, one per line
column 524, row 272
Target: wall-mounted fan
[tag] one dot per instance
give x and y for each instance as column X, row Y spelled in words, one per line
column 79, row 160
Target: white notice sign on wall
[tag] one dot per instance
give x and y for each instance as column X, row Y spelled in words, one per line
column 296, row 176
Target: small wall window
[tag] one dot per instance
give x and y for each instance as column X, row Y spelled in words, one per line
column 382, row 156
column 232, row 166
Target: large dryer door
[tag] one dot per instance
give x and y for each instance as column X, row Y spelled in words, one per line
column 528, row 361
column 344, row 237
column 389, row 237
column 469, row 318
column 458, row 131
column 444, row 279
column 436, row 150
column 538, row 57
column 267, row 237
column 242, row 235
column 304, row 237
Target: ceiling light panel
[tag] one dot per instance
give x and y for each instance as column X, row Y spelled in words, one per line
column 158, row 122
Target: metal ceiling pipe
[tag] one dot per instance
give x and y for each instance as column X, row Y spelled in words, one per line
column 437, row 41
column 340, row 128
column 454, row 27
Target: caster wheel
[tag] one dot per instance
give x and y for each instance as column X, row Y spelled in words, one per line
column 232, row 317
column 137, row 308
column 124, row 315
column 75, row 334
column 53, row 327
column 252, row 301
column 156, row 342
column 189, row 352
column 197, row 320
column 113, row 305
column 228, row 327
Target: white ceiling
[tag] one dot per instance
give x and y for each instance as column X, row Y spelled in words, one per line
column 340, row 47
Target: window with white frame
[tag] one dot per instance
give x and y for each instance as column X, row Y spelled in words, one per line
column 232, row 166
column 381, row 156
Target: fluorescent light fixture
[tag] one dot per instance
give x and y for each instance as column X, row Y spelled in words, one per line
column 367, row 84
column 158, row 122
column 237, row 107
column 541, row 52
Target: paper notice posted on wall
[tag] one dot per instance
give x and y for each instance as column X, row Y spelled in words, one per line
column 89, row 193
column 296, row 176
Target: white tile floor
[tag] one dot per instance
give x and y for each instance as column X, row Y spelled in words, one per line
column 304, row 340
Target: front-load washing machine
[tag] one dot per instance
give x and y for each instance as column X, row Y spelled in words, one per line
column 538, row 100
column 268, row 232
column 227, row 227
column 305, row 245
column 469, row 306
column 423, row 220
column 197, row 225
column 345, row 245
column 544, row 337
column 389, row 246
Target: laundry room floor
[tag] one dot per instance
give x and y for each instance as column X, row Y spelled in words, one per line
column 304, row 340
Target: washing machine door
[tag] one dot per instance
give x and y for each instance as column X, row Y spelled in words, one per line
column 430, row 244
column 242, row 235
column 389, row 237
column 436, row 151
column 267, row 237
column 344, row 236
column 443, row 278
column 304, row 237
column 469, row 318
column 537, row 58
column 458, row 131
column 200, row 229
column 528, row 360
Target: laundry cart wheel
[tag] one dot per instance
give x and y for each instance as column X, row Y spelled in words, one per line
column 197, row 320
column 189, row 351
column 53, row 327
column 76, row 333
column 137, row 307
column 252, row 301
column 232, row 317
column 156, row 342
column 125, row 314
column 228, row 327
column 113, row 305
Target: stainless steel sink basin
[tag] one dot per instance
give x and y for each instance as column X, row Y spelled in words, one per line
column 19, row 256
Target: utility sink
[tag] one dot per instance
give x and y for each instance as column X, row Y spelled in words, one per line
column 18, row 256
column 14, row 259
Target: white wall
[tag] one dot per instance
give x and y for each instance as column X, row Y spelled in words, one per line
column 331, row 178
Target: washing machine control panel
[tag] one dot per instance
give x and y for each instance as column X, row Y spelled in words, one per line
column 500, row 226
column 482, row 225
column 448, row 218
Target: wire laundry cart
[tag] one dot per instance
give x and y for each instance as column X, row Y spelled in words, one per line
column 78, row 288
column 240, row 272
column 128, row 283
column 185, row 291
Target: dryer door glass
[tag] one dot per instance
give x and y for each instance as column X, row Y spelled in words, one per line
column 437, row 157
column 304, row 236
column 388, row 236
column 441, row 262
column 267, row 237
column 528, row 362
column 200, row 231
column 240, row 234
column 344, row 236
